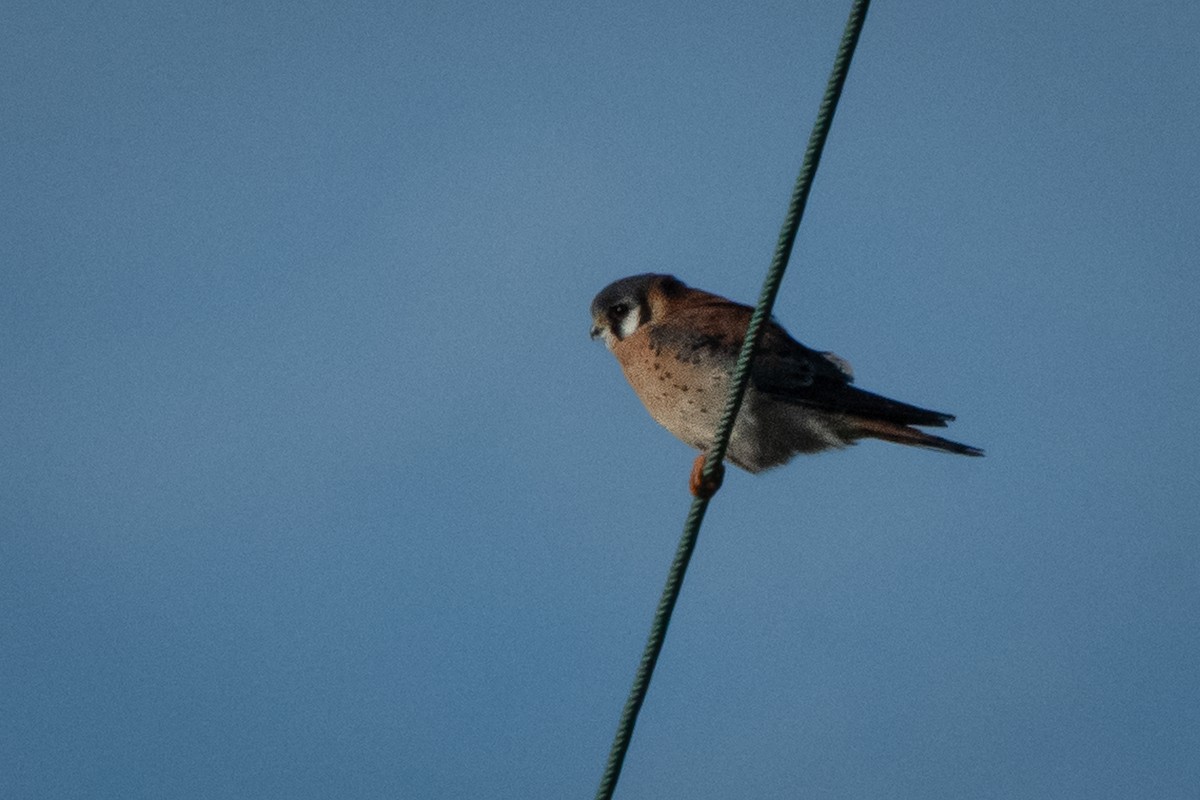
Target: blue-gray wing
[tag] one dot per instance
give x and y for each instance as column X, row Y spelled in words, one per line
column 792, row 373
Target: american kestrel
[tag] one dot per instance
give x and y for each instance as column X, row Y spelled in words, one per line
column 678, row 347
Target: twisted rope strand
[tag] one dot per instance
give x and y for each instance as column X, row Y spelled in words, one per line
column 739, row 379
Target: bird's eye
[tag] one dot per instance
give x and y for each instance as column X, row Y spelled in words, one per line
column 620, row 309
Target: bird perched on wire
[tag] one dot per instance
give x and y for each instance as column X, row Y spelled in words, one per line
column 678, row 347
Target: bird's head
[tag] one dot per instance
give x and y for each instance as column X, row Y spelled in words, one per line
column 626, row 305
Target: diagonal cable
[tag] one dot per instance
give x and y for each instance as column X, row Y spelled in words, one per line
column 740, row 377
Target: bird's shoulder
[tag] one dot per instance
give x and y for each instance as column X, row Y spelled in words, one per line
column 702, row 326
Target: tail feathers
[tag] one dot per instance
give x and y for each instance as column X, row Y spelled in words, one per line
column 903, row 434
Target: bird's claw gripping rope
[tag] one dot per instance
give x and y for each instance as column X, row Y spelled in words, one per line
column 703, row 486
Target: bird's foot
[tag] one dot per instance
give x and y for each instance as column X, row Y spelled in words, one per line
column 703, row 487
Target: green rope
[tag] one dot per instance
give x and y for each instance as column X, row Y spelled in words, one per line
column 740, row 377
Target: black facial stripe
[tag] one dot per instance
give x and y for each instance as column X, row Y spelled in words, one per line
column 614, row 321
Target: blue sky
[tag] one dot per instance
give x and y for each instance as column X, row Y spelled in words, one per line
column 314, row 485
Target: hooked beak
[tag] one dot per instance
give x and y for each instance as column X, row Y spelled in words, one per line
column 595, row 332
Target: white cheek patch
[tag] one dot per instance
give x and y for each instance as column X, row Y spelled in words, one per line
column 629, row 323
